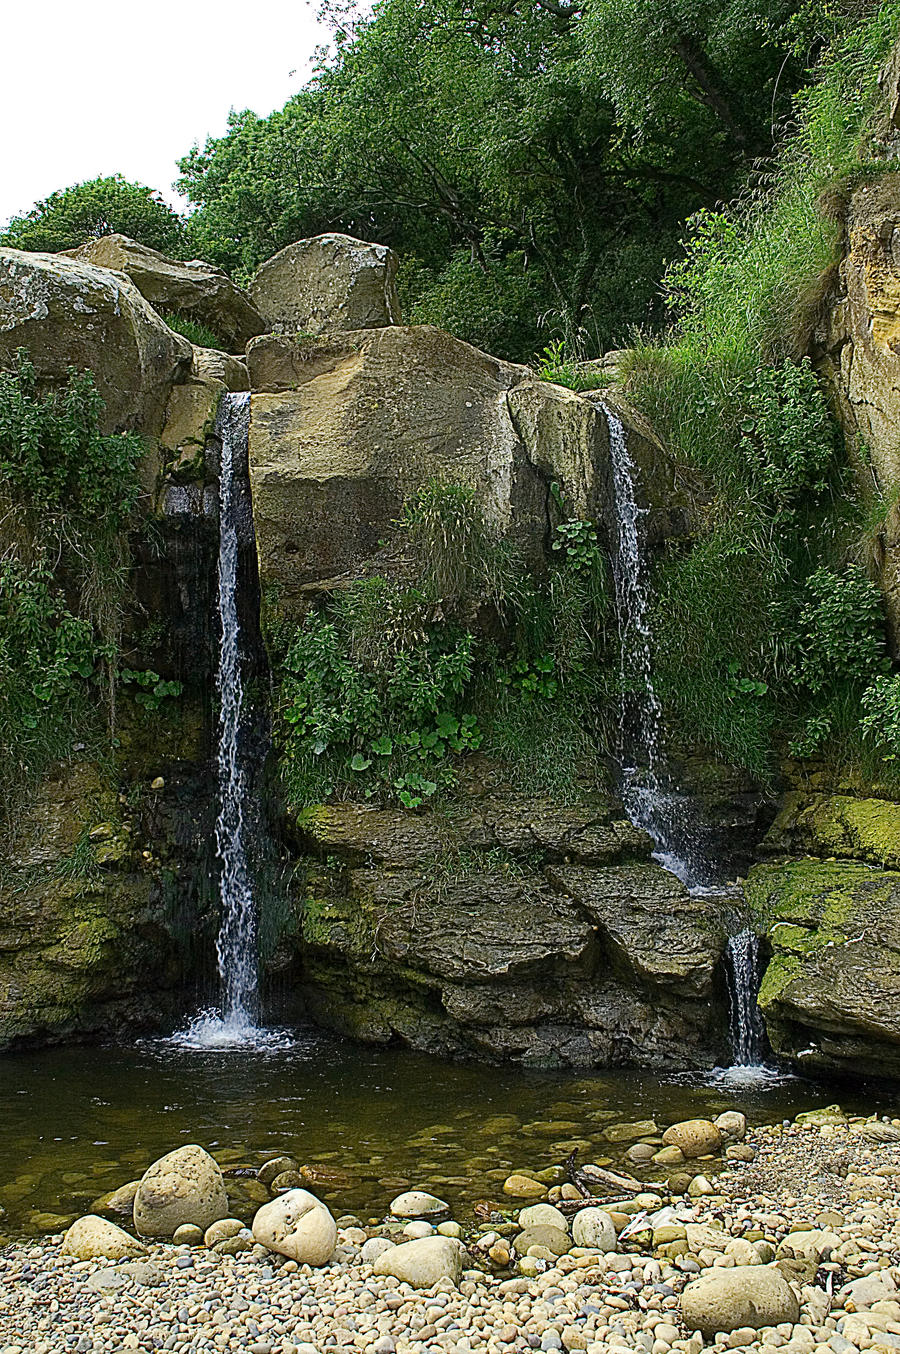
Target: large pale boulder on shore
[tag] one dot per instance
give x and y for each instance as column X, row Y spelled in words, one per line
column 749, row 1295
column 328, row 283
column 196, row 290
column 297, row 1225
column 93, row 1238
column 183, row 1186
column 423, row 1263
column 68, row 313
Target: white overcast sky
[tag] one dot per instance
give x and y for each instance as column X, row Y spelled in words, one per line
column 115, row 86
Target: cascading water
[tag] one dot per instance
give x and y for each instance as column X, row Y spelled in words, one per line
column 746, row 1023
column 649, row 800
column 236, row 944
column 234, row 1023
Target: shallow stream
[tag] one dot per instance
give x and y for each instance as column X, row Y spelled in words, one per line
column 77, row 1122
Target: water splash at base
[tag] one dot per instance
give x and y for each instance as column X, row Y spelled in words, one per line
column 211, row 1032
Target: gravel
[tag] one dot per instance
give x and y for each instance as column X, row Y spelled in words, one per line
column 198, row 1301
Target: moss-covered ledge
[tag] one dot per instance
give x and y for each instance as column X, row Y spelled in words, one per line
column 831, row 991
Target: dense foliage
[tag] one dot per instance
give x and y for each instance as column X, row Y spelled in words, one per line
column 66, row 493
column 769, row 631
column 383, row 690
column 532, row 163
column 102, row 206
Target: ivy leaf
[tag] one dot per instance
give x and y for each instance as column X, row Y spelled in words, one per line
column 383, row 746
column 360, row 763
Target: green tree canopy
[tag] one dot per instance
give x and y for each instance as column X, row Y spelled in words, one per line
column 103, row 206
column 531, row 161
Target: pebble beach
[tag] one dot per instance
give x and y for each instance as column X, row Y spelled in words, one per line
column 795, row 1247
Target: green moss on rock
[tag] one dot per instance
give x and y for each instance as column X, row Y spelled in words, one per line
column 831, row 990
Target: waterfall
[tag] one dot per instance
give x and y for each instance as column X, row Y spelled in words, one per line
column 648, row 799
column 236, row 943
column 742, row 958
column 233, row 1023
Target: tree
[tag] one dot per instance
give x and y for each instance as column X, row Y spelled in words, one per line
column 102, row 206
column 499, row 147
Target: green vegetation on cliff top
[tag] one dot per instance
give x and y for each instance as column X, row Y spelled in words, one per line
column 769, row 631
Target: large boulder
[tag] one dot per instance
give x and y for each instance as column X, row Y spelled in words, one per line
column 548, row 965
column 831, row 991
column 183, row 1186
column 728, row 1299
column 68, row 313
column 344, row 429
column 195, row 290
column 297, row 1225
column 328, row 283
column 423, row 1263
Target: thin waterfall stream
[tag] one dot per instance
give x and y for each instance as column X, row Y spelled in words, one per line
column 234, row 1023
column 649, row 798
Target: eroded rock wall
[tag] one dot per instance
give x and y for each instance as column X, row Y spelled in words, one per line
column 511, row 930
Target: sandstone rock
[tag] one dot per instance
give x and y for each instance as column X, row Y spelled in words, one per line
column 211, row 365
column 726, row 1299
column 542, row 1215
column 417, row 1229
column 651, row 922
column 336, row 444
column 417, row 1203
column 69, row 313
column 732, row 1125
column 188, row 1235
column 120, row 1200
column 859, row 338
column 184, row 1186
column 668, row 1156
column 594, row 1228
column 297, row 1225
column 695, row 1137
column 223, row 1230
column 523, row 1187
column 423, row 1263
column 831, row 992
column 274, row 1167
column 554, row 1239
column 195, row 290
column 816, row 1244
column 92, row 1238
column 326, row 284
column 373, row 1248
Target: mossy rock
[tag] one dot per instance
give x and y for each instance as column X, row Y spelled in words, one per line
column 845, row 826
column 831, row 991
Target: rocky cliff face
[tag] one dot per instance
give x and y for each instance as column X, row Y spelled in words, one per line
column 507, row 927
column 509, row 930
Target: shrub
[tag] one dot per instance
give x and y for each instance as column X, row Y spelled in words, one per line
column 67, row 492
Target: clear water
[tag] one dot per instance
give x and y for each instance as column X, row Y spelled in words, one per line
column 77, row 1122
column 742, row 967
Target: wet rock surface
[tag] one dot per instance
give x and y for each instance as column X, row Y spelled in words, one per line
column 540, row 962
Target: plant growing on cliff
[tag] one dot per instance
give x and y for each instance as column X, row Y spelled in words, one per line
column 383, row 722
column 66, row 494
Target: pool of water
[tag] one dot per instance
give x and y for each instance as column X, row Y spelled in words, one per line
column 77, row 1122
